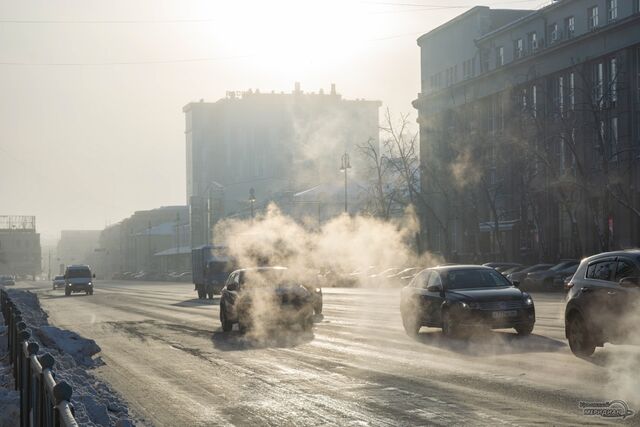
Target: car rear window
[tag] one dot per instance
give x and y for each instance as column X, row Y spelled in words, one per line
column 602, row 270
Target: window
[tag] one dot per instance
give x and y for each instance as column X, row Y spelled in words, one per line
column 554, row 34
column 593, row 17
column 572, row 91
column 534, row 100
column 467, row 69
column 434, row 279
column 614, row 139
column 598, row 83
column 499, row 56
column 421, row 280
column 561, row 94
column 523, row 100
column 626, row 268
column 518, row 48
column 533, row 42
column 613, row 81
column 612, row 10
column 602, row 270
column 570, row 26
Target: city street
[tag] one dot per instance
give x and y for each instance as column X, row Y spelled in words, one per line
column 164, row 351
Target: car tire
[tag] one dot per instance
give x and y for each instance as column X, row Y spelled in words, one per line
column 201, row 294
column 580, row 343
column 411, row 324
column 524, row 330
column 210, row 295
column 449, row 327
column 67, row 293
column 226, row 324
column 243, row 327
column 91, row 292
column 317, row 308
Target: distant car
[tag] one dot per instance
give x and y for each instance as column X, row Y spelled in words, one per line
column 518, row 277
column 185, row 276
column 603, row 300
column 78, row 278
column 543, row 279
column 515, row 269
column 457, row 298
column 58, row 282
column 562, row 277
column 265, row 295
column 501, row 266
column 7, row 281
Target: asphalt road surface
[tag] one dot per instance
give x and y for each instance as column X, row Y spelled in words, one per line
column 165, row 352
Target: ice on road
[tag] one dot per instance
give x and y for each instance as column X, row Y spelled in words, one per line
column 165, row 352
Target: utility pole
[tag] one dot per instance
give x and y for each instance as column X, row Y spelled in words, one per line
column 49, row 265
column 344, row 167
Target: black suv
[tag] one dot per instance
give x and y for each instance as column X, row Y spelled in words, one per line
column 266, row 295
column 603, row 294
column 457, row 297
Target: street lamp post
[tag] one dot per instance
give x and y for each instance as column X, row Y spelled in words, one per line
column 252, row 201
column 344, row 167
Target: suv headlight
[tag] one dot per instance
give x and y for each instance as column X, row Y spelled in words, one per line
column 528, row 301
column 90, row 284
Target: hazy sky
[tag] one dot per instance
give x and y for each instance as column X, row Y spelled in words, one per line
column 91, row 92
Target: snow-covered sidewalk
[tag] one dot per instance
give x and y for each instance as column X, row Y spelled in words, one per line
column 95, row 403
column 9, row 398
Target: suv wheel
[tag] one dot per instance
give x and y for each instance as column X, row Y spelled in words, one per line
column 581, row 344
column 226, row 324
column 410, row 324
column 67, row 292
column 449, row 326
column 524, row 330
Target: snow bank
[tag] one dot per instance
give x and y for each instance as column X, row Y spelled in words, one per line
column 95, row 403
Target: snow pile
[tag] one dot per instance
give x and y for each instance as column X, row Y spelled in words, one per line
column 9, row 398
column 95, row 403
column 68, row 342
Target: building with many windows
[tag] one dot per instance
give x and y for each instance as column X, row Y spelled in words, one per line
column 252, row 148
column 533, row 152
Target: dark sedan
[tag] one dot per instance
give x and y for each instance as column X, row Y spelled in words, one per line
column 458, row 297
column 519, row 276
column 544, row 279
column 265, row 296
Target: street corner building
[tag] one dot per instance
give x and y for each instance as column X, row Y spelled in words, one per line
column 20, row 252
column 530, row 131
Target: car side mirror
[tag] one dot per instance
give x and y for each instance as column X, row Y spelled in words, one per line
column 233, row 286
column 435, row 288
column 516, row 283
column 630, row 282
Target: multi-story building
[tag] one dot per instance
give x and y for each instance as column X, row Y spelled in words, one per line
column 251, row 148
column 533, row 150
column 142, row 241
column 20, row 253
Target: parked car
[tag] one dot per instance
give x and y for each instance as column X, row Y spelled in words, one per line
column 501, row 266
column 459, row 297
column 543, row 279
column 185, row 276
column 514, row 269
column 78, row 278
column 518, row 277
column 58, row 282
column 562, row 277
column 603, row 303
column 403, row 276
column 286, row 301
column 7, row 281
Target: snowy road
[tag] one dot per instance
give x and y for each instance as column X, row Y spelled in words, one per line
column 165, row 352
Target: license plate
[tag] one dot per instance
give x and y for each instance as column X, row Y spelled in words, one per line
column 502, row 314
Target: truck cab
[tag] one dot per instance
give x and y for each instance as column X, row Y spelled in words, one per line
column 210, row 268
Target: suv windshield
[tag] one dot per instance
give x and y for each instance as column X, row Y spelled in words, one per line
column 78, row 273
column 474, row 278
